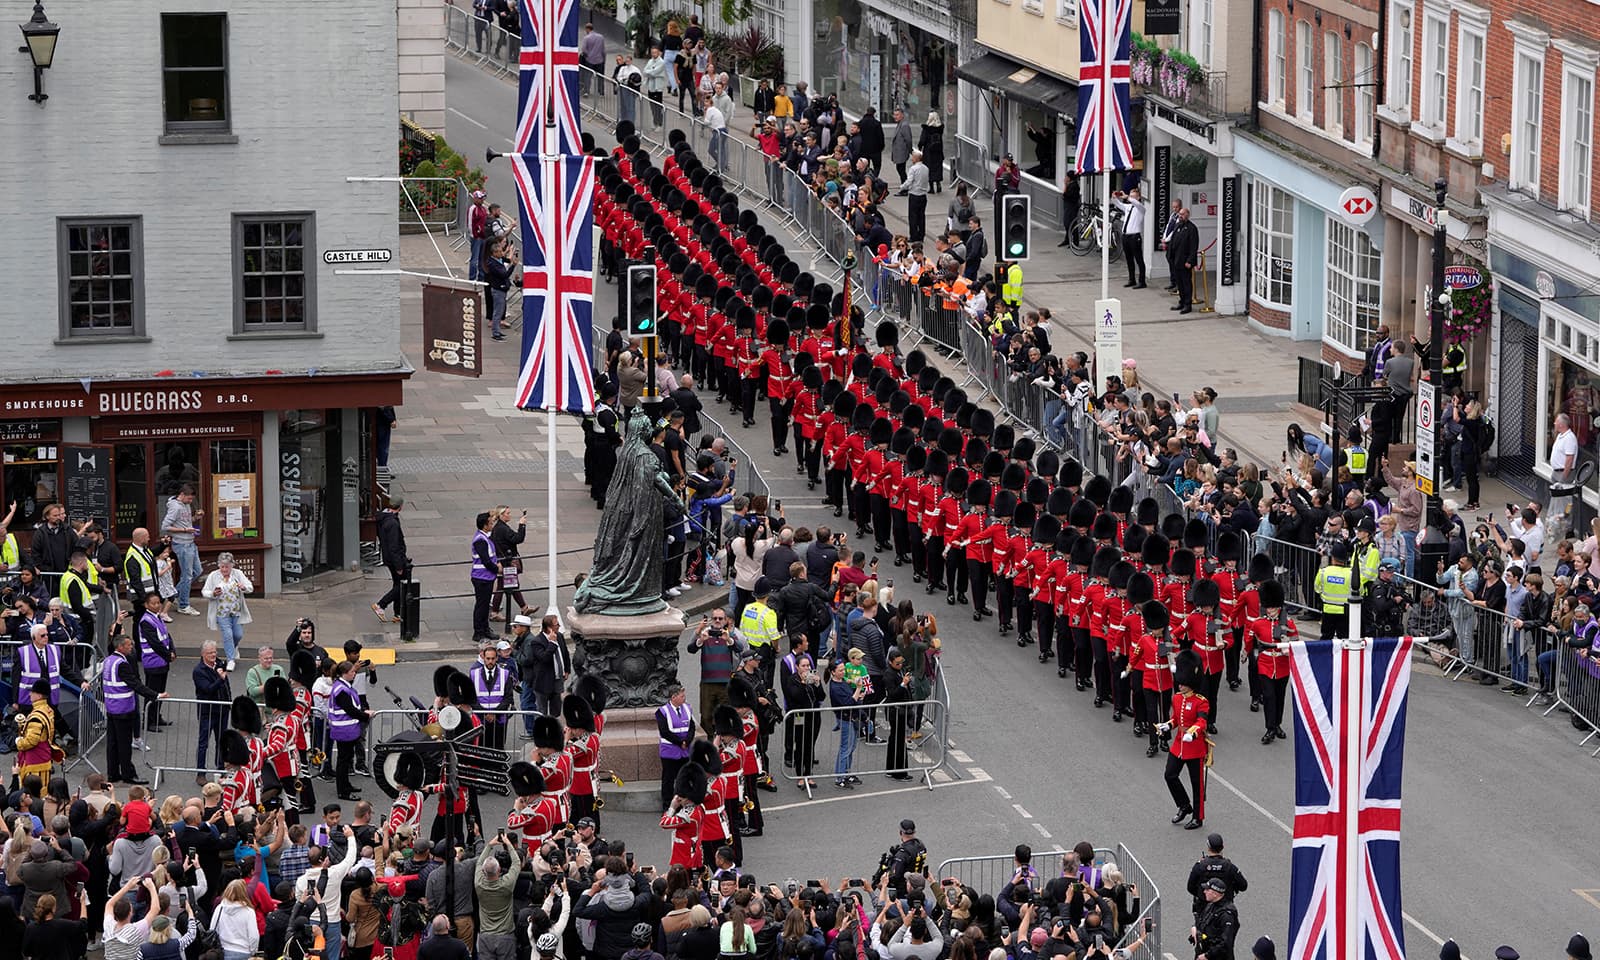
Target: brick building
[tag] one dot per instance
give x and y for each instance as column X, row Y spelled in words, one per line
column 167, row 302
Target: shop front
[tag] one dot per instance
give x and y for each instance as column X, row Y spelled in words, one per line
column 283, row 468
column 885, row 54
column 1313, row 274
column 1190, row 160
column 1546, row 338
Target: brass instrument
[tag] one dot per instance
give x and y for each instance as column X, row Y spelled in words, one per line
column 316, row 756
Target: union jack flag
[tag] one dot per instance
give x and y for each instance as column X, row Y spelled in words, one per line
column 1349, row 739
column 1105, row 44
column 557, row 195
column 549, row 61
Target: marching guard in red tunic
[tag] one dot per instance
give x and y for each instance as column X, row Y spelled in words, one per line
column 1186, row 725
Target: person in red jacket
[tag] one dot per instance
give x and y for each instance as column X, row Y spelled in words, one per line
column 1230, row 581
column 805, row 410
column 780, row 383
column 1268, row 635
column 835, row 438
column 1130, row 675
column 1204, row 632
column 930, row 491
column 1186, row 725
column 1156, row 666
column 684, row 816
column 1010, row 552
column 965, row 540
column 953, row 560
column 1032, row 571
column 894, row 494
column 1095, row 591
column 1246, row 612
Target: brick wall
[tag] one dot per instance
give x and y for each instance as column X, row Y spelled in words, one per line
column 1353, row 23
column 312, row 97
column 1268, row 317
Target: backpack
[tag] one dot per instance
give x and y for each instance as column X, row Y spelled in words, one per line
column 1488, row 435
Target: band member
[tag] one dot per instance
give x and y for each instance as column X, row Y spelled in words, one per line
column 36, row 740
column 583, row 751
column 311, row 735
column 555, row 764
column 1154, row 662
column 728, row 732
column 238, row 786
column 714, row 826
column 281, row 752
column 406, row 810
column 1246, row 613
column 1230, row 583
column 537, row 814
column 245, row 716
column 1268, row 636
column 685, row 815
column 1187, row 728
column 1210, row 637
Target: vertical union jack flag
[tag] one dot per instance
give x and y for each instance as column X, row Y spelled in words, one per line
column 549, row 61
column 557, row 195
column 1105, row 44
column 1349, row 739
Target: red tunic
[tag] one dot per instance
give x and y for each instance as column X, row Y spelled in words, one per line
column 1116, row 614
column 1188, row 710
column 1157, row 671
column 1212, row 647
column 1272, row 659
column 280, row 751
column 1032, row 558
column 584, row 753
column 1001, row 551
column 557, row 771
column 1247, row 610
column 714, row 817
column 302, row 710
column 1063, row 589
column 406, row 810
column 1132, row 626
column 780, row 382
column 1094, row 597
column 536, row 823
column 685, row 826
column 747, row 354
column 1229, row 583
column 1174, row 595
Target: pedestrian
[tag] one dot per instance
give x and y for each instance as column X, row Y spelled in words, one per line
column 719, row 647
column 591, row 56
column 1165, row 244
column 138, row 566
column 671, row 51
column 675, row 729
column 485, row 573
column 655, row 84
column 179, row 527
column 977, row 249
column 211, row 686
column 478, row 232
column 227, row 612
column 900, row 144
column 872, row 140
column 1212, row 864
column 1184, row 250
column 1132, row 207
column 120, row 690
column 931, row 143
column 497, row 267
column 166, row 580
column 53, row 542
column 347, row 723
column 845, row 697
column 506, row 541
column 492, row 683
column 717, row 122
column 551, row 662
column 392, row 550
column 916, row 188
column 156, row 653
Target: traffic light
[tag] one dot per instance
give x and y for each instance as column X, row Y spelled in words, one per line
column 640, row 300
column 1015, row 241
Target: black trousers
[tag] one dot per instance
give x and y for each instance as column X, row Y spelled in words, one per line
column 1045, row 612
column 1336, row 625
column 779, row 409
column 978, row 579
column 482, row 593
column 1231, row 656
column 747, row 398
column 955, row 572
column 156, row 680
column 1185, row 278
column 1103, row 690
column 583, row 806
column 1156, row 705
column 1273, row 694
column 1083, row 649
column 1129, row 689
column 120, row 730
column 934, row 560
column 1196, row 803
column 669, row 775
column 1210, row 686
column 494, row 729
column 1066, row 644
column 897, row 759
column 213, row 723
column 834, row 485
column 1254, row 677
column 861, row 508
column 1024, row 605
column 881, row 520
column 344, row 754
column 397, row 577
column 1133, row 252
column 900, row 529
column 917, row 217
column 1004, row 599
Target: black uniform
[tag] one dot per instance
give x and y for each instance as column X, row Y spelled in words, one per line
column 1214, row 865
column 1215, row 929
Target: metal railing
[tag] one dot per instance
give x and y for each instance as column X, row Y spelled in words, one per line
column 1208, row 98
column 481, row 41
column 824, row 739
column 987, row 875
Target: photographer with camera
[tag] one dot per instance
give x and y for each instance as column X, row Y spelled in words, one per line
column 720, row 646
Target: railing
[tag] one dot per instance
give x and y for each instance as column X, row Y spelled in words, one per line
column 481, row 41
column 1208, row 98
column 987, row 875
column 847, row 734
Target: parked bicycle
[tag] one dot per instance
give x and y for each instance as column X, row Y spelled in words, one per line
column 1088, row 233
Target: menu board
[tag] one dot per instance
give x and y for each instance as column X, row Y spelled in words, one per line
column 233, row 505
column 87, row 471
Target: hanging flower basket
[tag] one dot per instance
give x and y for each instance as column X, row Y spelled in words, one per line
column 1172, row 73
column 1471, row 307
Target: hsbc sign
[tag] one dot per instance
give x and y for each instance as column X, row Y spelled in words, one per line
column 1357, row 205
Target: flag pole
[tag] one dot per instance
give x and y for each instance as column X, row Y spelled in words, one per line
column 1107, row 102
column 1355, row 667
column 550, row 147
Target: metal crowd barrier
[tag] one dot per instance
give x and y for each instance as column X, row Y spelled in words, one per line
column 1576, row 685
column 987, row 875
column 818, row 733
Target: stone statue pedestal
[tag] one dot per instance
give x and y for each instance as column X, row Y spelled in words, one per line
column 637, row 656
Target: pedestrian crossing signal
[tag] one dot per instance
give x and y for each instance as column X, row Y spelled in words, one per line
column 1014, row 234
column 640, row 300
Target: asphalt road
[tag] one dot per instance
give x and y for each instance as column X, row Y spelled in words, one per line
column 1495, row 797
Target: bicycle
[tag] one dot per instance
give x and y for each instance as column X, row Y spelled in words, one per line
column 1088, row 234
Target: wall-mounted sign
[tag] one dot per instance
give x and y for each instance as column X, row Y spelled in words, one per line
column 1228, row 233
column 357, row 256
column 1163, row 18
column 1357, row 205
column 452, row 320
column 88, row 482
column 1462, row 276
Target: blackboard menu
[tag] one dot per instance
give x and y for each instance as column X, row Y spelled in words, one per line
column 88, row 483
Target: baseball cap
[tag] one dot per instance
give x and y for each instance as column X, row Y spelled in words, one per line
column 1216, row 884
column 502, row 646
column 1038, row 937
column 478, row 194
column 908, row 826
column 585, row 822
column 1389, row 563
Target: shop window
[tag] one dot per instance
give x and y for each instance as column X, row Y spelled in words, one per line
column 1272, row 246
column 1574, row 391
column 31, row 474
column 133, row 491
column 234, row 504
column 1355, row 280
column 1400, row 54
column 194, row 71
column 275, row 286
column 100, row 262
column 1038, row 154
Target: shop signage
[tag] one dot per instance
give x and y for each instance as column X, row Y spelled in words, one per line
column 88, row 482
column 1181, row 118
column 187, row 397
column 357, row 256
column 452, row 321
column 1163, row 18
column 1163, row 181
column 1545, row 284
column 163, row 431
column 299, row 487
column 27, row 431
column 1462, row 276
column 1357, row 205
column 1427, row 413
column 1228, row 232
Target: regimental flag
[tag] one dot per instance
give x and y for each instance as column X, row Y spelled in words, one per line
column 1349, row 740
column 1105, row 45
column 557, row 200
column 549, row 62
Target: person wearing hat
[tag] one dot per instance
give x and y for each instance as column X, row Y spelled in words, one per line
column 758, row 625
column 478, row 232
column 1269, row 636
column 1217, row 925
column 36, row 742
column 1383, row 612
column 1578, row 948
column 583, row 751
column 282, row 737
column 1214, row 865
column 684, row 814
column 1335, row 585
column 1186, row 724
column 1264, row 950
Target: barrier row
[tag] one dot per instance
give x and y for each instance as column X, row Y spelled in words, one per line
column 822, row 743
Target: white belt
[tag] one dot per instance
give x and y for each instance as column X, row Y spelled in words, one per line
column 1210, row 648
column 583, row 769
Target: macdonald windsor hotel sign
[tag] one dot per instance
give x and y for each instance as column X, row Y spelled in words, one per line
column 196, row 396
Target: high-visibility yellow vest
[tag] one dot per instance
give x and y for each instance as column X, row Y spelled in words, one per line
column 69, row 581
column 1455, row 359
column 1366, row 565
column 1333, row 584
column 9, row 554
column 759, row 624
column 1011, row 289
column 143, row 573
column 1356, row 460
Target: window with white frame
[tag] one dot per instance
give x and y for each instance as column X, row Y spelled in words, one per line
column 1034, row 6
column 1399, row 88
column 1272, row 245
column 1355, row 284
column 1527, row 116
column 1577, row 135
column 1067, row 12
column 1277, row 58
column 1365, row 87
column 1435, row 69
column 1470, row 60
column 1333, row 83
column 1201, row 15
column 1304, row 69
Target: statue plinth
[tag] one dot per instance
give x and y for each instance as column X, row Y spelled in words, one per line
column 637, row 656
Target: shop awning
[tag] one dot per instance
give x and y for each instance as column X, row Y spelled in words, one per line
column 1023, row 83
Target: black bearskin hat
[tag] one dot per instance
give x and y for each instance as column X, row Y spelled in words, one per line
column 1182, row 564
column 1141, row 588
column 526, row 780
column 1205, row 593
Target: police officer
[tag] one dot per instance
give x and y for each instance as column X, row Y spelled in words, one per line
column 1455, row 368
column 1217, row 924
column 139, row 568
column 1365, row 557
column 1011, row 287
column 1334, row 584
column 1383, row 611
column 909, row 855
column 1214, row 864
column 758, row 625
column 1355, row 455
column 80, row 584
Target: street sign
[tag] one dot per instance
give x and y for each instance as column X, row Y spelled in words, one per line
column 452, row 326
column 1462, row 276
column 1107, row 340
column 357, row 256
column 1357, row 205
column 1427, row 412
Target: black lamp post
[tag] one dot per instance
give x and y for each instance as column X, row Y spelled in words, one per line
column 39, row 43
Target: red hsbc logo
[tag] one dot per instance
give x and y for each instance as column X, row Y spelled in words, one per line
column 1358, row 206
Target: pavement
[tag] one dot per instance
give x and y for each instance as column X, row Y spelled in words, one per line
column 1033, row 762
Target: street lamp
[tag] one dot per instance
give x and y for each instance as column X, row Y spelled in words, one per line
column 39, row 43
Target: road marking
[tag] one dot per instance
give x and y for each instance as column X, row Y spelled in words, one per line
column 1042, row 831
column 1589, row 896
column 979, row 772
column 879, row 793
column 942, row 776
column 960, row 756
column 1021, row 812
column 463, row 116
column 1413, row 921
column 1004, row 793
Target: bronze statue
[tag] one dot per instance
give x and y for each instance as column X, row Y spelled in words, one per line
column 625, row 579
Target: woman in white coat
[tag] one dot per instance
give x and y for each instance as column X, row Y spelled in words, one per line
column 227, row 612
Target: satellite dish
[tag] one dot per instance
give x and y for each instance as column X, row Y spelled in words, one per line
column 449, row 716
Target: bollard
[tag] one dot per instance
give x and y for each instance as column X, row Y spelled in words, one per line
column 410, row 611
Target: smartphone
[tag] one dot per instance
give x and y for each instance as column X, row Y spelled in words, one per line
column 814, row 884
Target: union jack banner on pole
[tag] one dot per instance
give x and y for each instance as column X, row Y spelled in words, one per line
column 1105, row 71
column 557, row 200
column 548, row 114
column 1349, row 741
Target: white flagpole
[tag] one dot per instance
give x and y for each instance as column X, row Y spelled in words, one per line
column 1102, row 144
column 549, row 148
column 1355, row 666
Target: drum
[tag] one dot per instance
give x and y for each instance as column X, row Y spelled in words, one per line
column 413, row 742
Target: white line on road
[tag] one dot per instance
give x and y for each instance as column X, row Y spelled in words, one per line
column 1042, row 831
column 960, row 756
column 467, row 118
column 1004, row 793
column 982, row 778
column 1021, row 812
column 979, row 772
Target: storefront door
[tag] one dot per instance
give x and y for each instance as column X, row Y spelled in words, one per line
column 310, row 501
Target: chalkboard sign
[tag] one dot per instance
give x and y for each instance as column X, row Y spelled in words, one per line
column 88, row 483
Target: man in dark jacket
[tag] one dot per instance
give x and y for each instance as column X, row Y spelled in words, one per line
column 615, row 908
column 685, row 400
column 820, row 558
column 392, row 547
column 1184, row 249
column 1217, row 924
column 801, row 605
column 53, row 543
column 1214, row 864
column 977, row 249
column 871, row 138
column 546, row 665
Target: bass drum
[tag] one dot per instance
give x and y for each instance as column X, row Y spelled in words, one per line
column 414, row 742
